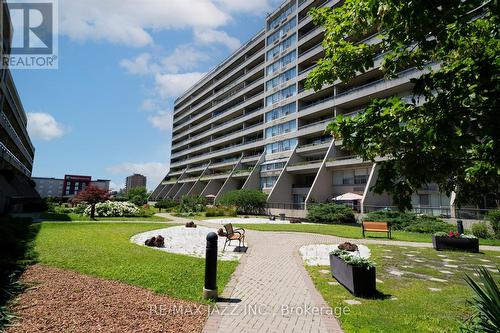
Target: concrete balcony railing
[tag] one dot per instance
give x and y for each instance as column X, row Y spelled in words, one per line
column 305, row 165
column 227, row 88
column 221, row 152
column 344, row 160
column 309, row 53
column 219, row 116
column 15, row 137
column 313, row 147
column 240, row 93
column 257, row 38
column 7, row 155
column 228, row 137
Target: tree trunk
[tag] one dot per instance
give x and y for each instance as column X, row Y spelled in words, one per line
column 92, row 212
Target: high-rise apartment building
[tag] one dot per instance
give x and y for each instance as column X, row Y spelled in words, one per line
column 250, row 123
column 16, row 150
column 135, row 180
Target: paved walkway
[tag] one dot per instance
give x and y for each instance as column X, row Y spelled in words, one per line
column 271, row 291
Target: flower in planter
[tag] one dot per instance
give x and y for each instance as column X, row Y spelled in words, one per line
column 455, row 234
column 352, row 259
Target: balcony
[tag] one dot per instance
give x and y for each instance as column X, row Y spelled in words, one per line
column 304, row 166
column 313, row 147
column 344, row 160
column 6, row 155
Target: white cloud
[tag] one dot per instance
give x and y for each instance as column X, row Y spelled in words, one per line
column 140, row 65
column 44, row 126
column 162, row 120
column 184, row 57
column 256, row 7
column 211, row 36
column 172, row 85
column 154, row 171
column 129, row 22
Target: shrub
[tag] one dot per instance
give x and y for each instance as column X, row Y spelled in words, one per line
column 165, row 204
column 138, row 195
column 330, row 213
column 494, row 219
column 80, row 208
column 192, row 203
column 480, row 230
column 246, row 201
column 409, row 221
column 114, row 209
column 220, row 211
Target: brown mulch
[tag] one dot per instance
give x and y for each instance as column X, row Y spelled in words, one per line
column 65, row 301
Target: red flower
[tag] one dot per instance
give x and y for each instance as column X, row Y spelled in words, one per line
column 450, row 234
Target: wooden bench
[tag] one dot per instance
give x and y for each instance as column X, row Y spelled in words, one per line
column 376, row 227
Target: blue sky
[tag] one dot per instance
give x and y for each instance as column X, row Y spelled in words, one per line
column 107, row 110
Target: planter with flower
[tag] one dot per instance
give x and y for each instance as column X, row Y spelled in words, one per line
column 455, row 241
column 352, row 268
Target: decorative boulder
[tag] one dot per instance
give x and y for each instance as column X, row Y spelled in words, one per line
column 190, row 225
column 158, row 241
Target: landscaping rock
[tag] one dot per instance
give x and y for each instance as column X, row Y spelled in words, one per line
column 191, row 225
column 157, row 241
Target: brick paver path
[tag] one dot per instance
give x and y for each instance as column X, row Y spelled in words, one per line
column 271, row 290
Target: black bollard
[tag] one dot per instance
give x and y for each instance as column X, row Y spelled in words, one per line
column 460, row 227
column 210, row 289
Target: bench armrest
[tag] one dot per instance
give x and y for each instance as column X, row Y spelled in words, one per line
column 239, row 231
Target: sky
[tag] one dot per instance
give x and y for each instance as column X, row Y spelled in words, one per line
column 107, row 110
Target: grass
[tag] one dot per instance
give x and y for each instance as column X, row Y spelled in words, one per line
column 349, row 231
column 78, row 217
column 104, row 250
column 416, row 308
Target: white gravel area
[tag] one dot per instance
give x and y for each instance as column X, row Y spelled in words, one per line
column 242, row 220
column 188, row 241
column 319, row 254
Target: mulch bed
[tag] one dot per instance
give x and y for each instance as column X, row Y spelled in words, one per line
column 65, row 301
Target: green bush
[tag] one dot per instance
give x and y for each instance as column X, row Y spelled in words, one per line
column 192, row 203
column 480, row 230
column 246, row 201
column 138, row 195
column 166, row 204
column 409, row 221
column 494, row 219
column 220, row 211
column 330, row 213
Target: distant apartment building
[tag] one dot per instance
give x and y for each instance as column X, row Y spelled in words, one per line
column 68, row 186
column 135, row 180
column 250, row 123
column 16, row 150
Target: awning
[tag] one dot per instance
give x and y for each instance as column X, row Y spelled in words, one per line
column 348, row 197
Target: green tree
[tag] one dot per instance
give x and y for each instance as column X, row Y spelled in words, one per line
column 138, row 195
column 449, row 132
column 246, row 200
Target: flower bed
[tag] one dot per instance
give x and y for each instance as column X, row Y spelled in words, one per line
column 455, row 241
column 113, row 208
column 351, row 270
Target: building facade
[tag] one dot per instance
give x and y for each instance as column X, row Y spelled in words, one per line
column 250, row 123
column 68, row 186
column 16, row 150
column 135, row 180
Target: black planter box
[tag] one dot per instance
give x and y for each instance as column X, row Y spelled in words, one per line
column 455, row 243
column 360, row 281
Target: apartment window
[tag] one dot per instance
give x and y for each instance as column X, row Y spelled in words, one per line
column 424, row 200
column 281, row 129
column 276, row 66
column 280, row 112
column 284, row 45
column 268, row 182
column 272, row 166
column 280, row 95
column 282, row 78
column 289, row 9
column 280, row 146
column 281, row 31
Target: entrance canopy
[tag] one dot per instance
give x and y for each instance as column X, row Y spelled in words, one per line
column 348, row 197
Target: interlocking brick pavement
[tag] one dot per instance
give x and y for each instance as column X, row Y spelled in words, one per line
column 271, row 291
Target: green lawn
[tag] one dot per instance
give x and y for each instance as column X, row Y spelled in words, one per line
column 408, row 305
column 78, row 217
column 104, row 249
column 349, row 231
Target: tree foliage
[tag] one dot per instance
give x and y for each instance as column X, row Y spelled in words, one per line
column 138, row 195
column 247, row 201
column 448, row 133
column 91, row 195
